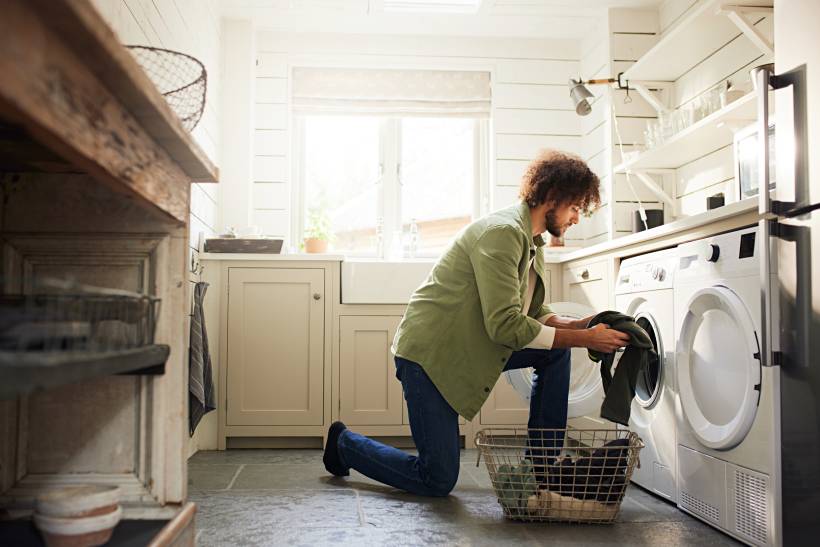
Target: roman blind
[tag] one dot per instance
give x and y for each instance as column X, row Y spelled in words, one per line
column 389, row 92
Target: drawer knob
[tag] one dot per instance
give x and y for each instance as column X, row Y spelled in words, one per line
column 316, row 296
column 585, row 274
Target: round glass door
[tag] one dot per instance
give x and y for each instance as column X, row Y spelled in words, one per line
column 650, row 379
column 586, row 392
column 718, row 371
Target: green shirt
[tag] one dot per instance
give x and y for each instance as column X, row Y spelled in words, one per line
column 465, row 320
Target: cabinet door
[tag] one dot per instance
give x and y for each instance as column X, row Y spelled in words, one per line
column 587, row 285
column 369, row 393
column 504, row 406
column 275, row 346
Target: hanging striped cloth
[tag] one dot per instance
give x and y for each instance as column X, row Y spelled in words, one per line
column 201, row 398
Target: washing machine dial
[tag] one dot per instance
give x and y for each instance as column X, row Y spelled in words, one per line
column 709, row 252
column 661, row 274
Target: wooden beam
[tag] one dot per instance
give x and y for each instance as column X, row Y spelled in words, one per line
column 49, row 91
column 84, row 30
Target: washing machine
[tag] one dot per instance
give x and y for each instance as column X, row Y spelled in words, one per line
column 586, row 390
column 728, row 432
column 644, row 290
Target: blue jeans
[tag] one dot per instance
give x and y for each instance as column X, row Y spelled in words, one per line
column 434, row 425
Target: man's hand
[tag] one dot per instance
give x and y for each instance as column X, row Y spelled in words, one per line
column 604, row 339
column 598, row 338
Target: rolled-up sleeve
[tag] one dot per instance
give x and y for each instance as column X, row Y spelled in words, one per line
column 544, row 313
column 495, row 260
column 544, row 339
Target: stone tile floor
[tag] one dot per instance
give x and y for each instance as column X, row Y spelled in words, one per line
column 285, row 497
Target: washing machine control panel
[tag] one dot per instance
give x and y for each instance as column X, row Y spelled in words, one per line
column 652, row 274
column 724, row 255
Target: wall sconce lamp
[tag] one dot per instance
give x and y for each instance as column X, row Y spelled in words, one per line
column 580, row 95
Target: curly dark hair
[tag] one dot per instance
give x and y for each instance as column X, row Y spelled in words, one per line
column 560, row 177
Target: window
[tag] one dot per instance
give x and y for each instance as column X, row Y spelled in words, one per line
column 367, row 175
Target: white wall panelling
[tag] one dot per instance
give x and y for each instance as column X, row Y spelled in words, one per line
column 270, row 169
column 271, row 90
column 271, row 116
column 525, row 147
column 531, row 96
column 268, row 195
column 509, row 172
column 272, row 222
column 270, row 142
column 536, row 122
column 238, row 88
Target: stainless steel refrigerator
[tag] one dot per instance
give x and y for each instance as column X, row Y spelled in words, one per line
column 791, row 226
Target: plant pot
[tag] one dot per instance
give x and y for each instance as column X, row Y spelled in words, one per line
column 314, row 245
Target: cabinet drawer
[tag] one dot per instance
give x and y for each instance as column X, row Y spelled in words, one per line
column 588, row 272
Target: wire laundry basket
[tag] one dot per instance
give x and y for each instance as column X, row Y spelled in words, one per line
column 181, row 79
column 559, row 475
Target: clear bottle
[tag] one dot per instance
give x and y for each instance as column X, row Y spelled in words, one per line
column 380, row 237
column 414, row 238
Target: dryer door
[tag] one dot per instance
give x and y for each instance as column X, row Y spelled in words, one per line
column 718, row 367
column 586, row 392
column 649, row 384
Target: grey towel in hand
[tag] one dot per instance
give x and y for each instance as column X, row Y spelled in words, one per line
column 201, row 398
column 620, row 389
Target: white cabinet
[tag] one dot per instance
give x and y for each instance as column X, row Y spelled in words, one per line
column 588, row 284
column 369, row 393
column 275, row 346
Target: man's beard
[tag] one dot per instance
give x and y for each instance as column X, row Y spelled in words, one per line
column 552, row 224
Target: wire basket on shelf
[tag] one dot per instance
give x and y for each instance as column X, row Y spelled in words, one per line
column 181, row 79
column 68, row 317
column 559, row 475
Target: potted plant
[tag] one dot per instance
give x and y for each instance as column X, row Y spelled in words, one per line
column 318, row 231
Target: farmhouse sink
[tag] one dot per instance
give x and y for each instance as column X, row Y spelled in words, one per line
column 371, row 281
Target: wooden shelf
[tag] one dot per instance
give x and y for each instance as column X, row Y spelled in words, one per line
column 74, row 100
column 25, row 372
column 697, row 36
column 177, row 531
column 707, row 135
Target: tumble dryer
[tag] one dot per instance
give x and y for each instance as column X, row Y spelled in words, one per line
column 728, row 432
column 644, row 291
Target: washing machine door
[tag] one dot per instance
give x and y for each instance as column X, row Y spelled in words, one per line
column 718, row 368
column 586, row 392
column 649, row 384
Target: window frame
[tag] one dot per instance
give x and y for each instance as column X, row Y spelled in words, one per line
column 389, row 183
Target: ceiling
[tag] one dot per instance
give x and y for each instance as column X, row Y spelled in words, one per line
column 519, row 18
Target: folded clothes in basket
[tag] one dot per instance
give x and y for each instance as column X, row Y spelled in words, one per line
column 553, row 505
column 601, row 476
column 515, row 484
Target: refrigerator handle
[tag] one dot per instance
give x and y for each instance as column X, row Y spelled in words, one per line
column 767, row 312
column 761, row 77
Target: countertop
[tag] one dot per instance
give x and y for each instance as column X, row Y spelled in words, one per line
column 665, row 230
column 553, row 255
column 300, row 257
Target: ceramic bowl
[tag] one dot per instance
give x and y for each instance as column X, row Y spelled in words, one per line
column 78, row 532
column 80, row 500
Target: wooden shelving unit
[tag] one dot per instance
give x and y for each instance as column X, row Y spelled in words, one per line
column 22, row 373
column 74, row 100
column 95, row 173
